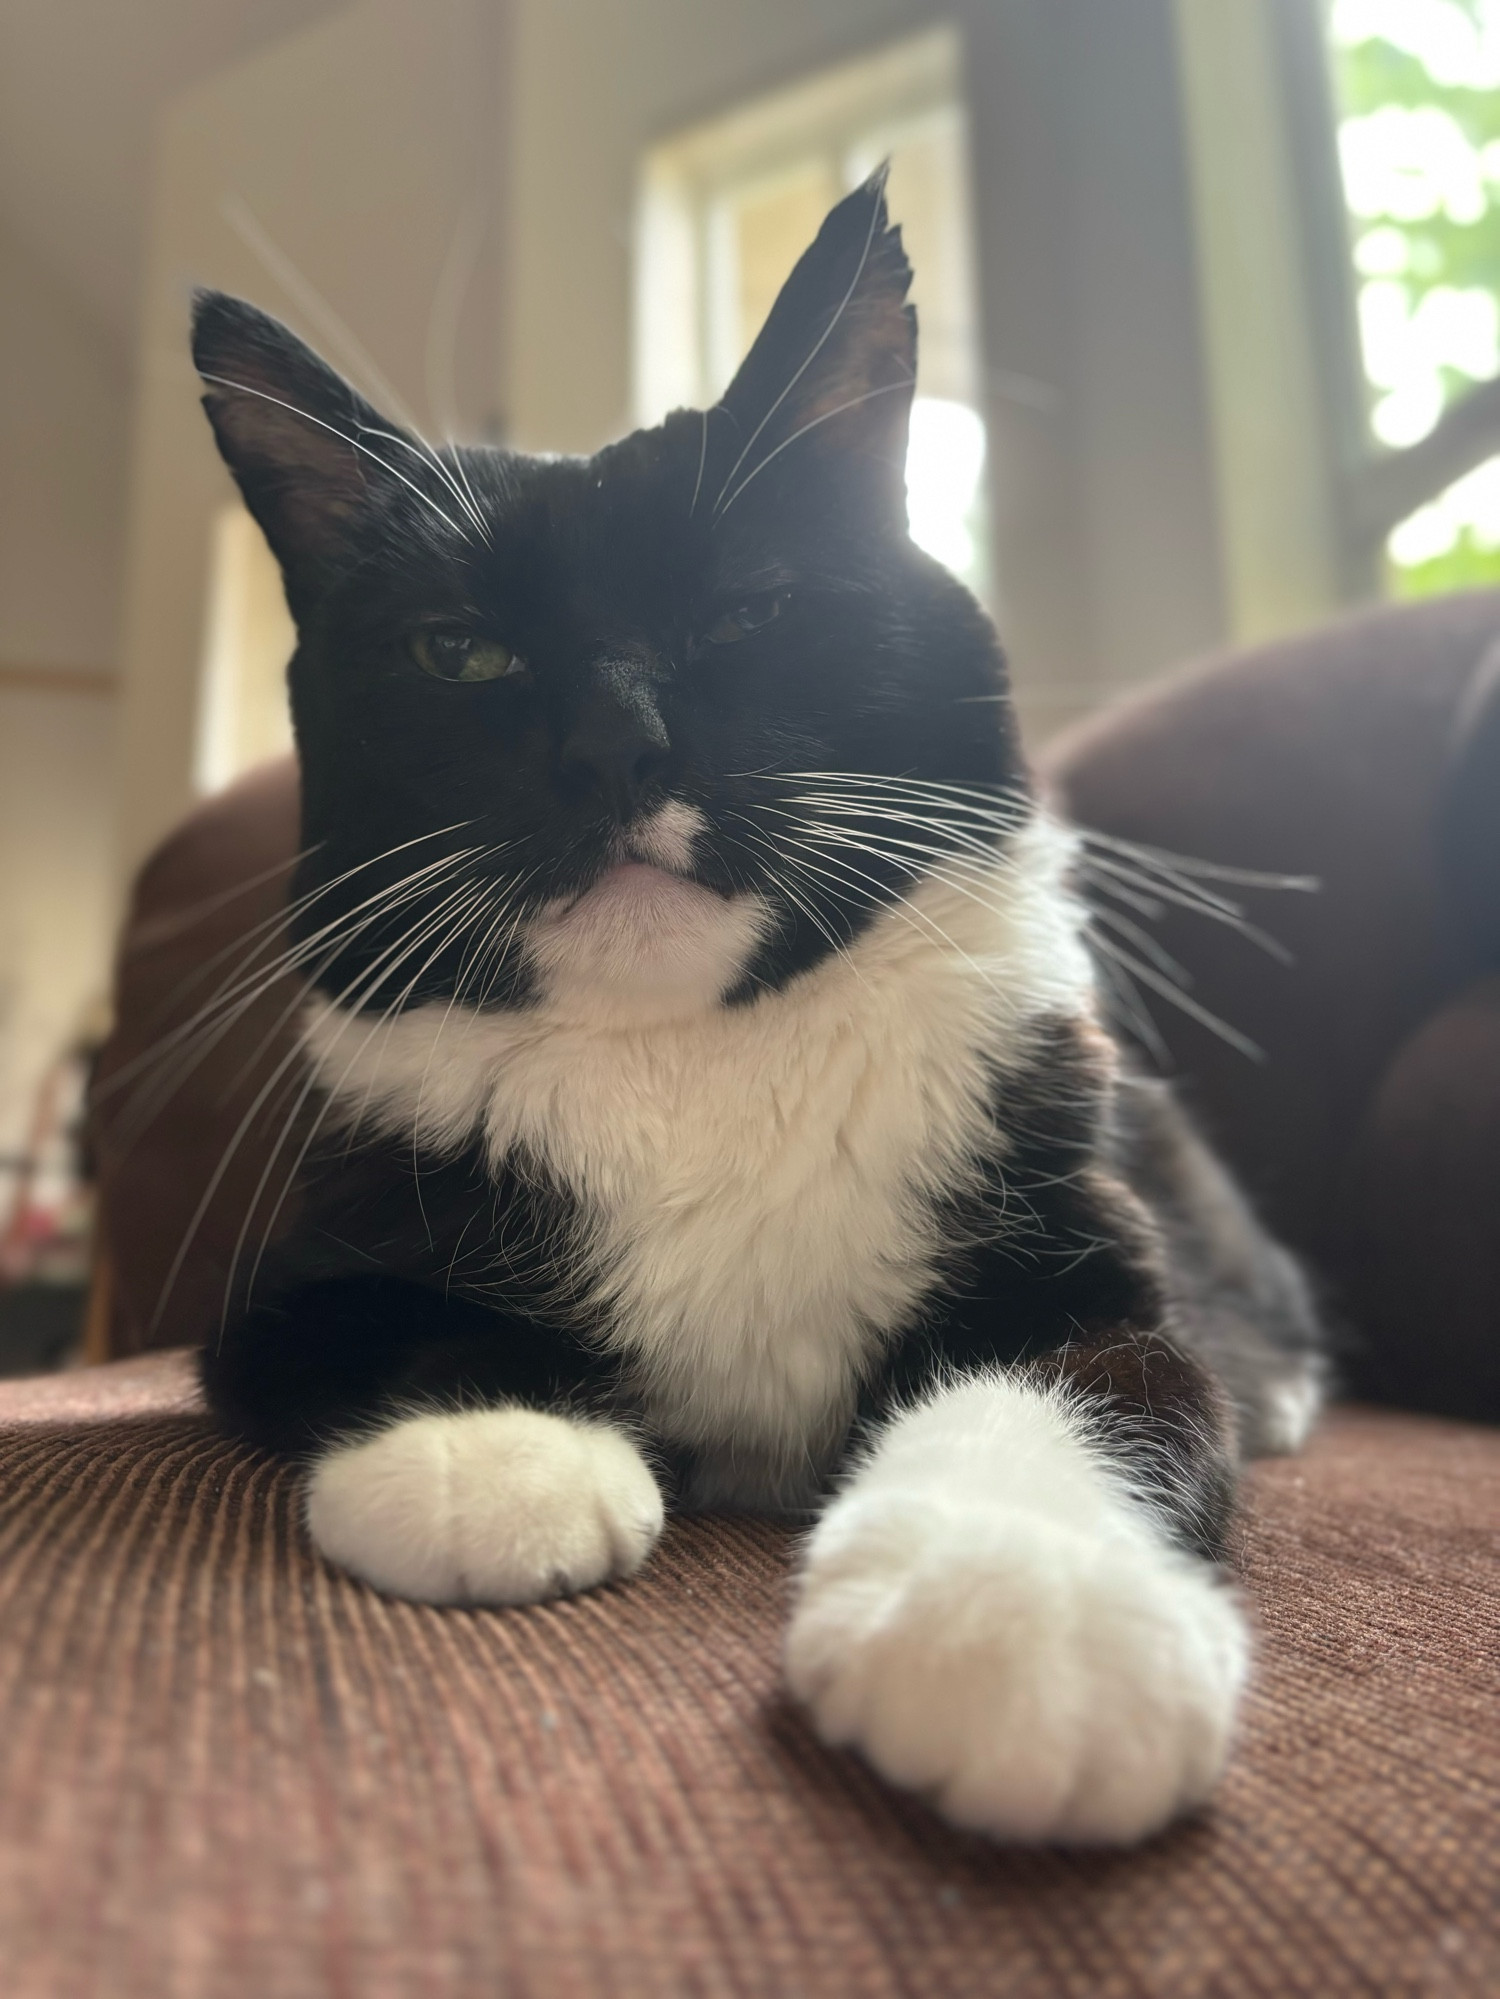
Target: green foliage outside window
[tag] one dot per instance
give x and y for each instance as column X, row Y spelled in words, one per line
column 1418, row 88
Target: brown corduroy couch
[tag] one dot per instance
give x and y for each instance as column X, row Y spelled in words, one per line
column 231, row 1770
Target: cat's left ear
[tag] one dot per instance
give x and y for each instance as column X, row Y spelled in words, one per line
column 307, row 452
column 828, row 383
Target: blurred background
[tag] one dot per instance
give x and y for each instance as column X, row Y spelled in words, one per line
column 1210, row 302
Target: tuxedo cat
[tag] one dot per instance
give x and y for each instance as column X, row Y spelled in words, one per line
column 705, row 1097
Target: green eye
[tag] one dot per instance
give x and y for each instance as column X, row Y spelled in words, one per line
column 751, row 616
column 460, row 656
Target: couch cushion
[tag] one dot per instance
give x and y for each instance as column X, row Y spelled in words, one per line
column 1322, row 755
column 1364, row 755
column 192, row 1091
column 1420, row 1213
column 229, row 1770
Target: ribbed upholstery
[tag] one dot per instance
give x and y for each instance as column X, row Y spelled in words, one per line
column 228, row 1770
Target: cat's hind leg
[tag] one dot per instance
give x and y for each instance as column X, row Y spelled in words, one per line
column 1005, row 1607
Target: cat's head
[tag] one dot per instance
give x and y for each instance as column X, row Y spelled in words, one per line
column 667, row 724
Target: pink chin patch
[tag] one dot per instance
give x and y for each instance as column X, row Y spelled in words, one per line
column 641, row 882
column 643, row 944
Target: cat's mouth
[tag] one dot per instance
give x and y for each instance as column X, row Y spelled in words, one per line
column 650, row 864
column 664, row 838
column 645, row 942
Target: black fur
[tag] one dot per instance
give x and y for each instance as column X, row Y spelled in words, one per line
column 606, row 577
column 777, row 518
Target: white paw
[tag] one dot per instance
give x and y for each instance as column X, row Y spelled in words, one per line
column 1291, row 1409
column 1036, row 1679
column 490, row 1506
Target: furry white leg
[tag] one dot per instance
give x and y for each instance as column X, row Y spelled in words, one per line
column 1292, row 1406
column 487, row 1506
column 991, row 1617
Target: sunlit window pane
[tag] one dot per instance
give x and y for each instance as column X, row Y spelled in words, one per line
column 944, row 465
column 729, row 208
column 757, row 233
column 242, row 715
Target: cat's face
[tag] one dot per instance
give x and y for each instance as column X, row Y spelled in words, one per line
column 664, row 723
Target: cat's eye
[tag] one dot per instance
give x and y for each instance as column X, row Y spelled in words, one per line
column 462, row 656
column 751, row 616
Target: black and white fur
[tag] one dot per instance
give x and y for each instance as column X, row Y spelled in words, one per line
column 704, row 1097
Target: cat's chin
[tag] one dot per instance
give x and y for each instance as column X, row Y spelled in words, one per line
column 641, row 886
column 644, row 943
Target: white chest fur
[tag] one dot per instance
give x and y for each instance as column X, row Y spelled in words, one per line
column 756, row 1184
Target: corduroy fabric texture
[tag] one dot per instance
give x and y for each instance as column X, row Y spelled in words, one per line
column 230, row 1771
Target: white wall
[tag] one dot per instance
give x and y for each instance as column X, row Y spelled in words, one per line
column 63, row 416
column 56, row 902
column 63, row 413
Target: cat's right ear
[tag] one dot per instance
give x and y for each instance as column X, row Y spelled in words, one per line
column 304, row 448
column 833, row 369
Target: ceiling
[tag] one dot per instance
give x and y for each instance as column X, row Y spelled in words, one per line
column 81, row 84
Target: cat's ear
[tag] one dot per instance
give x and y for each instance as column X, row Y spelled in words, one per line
column 305, row 450
column 829, row 379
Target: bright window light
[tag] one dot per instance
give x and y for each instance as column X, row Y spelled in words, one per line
column 243, row 716
column 1458, row 44
column 1418, row 85
column 727, row 209
column 1468, row 512
column 944, row 463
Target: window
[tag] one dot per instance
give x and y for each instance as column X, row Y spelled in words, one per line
column 727, row 209
column 242, row 707
column 1417, row 103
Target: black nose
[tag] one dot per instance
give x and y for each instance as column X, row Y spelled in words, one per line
column 618, row 744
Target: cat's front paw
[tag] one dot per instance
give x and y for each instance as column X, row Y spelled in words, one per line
column 487, row 1506
column 1035, row 1681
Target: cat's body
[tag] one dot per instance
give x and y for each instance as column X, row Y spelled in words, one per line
column 708, row 1095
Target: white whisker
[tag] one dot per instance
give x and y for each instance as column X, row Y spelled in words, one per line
column 702, row 460
column 374, row 972
column 232, row 1001
column 450, row 930
column 817, row 348
column 1130, row 1009
column 1215, row 870
column 1181, row 1000
column 335, row 330
column 889, row 389
column 886, row 897
column 1144, row 941
column 300, row 288
column 425, row 454
column 440, row 348
column 244, row 389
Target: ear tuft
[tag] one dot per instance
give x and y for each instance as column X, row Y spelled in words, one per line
column 836, row 361
column 302, row 445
